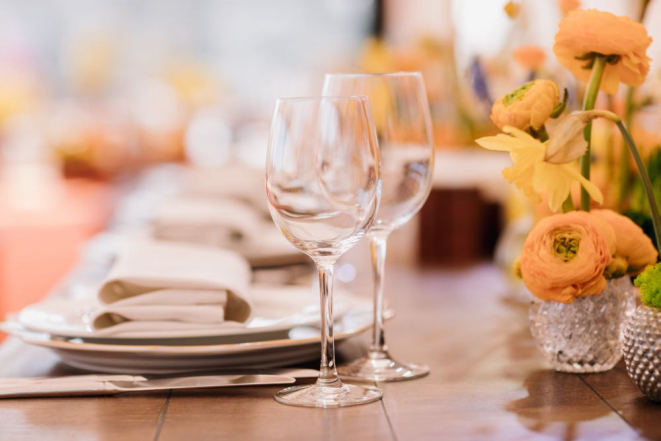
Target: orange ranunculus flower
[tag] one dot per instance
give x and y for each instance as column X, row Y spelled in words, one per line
column 566, row 6
column 529, row 57
column 633, row 245
column 584, row 32
column 565, row 256
column 528, row 106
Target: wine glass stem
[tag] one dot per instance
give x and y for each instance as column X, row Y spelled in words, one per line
column 327, row 372
column 378, row 251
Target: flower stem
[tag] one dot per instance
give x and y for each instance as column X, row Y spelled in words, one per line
column 625, row 174
column 588, row 104
column 610, row 152
column 568, row 205
column 647, row 184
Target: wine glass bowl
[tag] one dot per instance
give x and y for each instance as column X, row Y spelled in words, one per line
column 323, row 173
column 403, row 126
column 323, row 187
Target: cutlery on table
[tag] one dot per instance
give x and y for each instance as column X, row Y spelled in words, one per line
column 79, row 385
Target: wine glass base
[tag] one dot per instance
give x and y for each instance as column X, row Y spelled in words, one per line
column 323, row 396
column 381, row 369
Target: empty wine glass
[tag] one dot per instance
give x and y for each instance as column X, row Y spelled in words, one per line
column 323, row 187
column 403, row 125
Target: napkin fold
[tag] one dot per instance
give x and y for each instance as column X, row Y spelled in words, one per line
column 233, row 181
column 224, row 223
column 161, row 286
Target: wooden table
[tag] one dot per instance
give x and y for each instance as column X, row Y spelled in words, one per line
column 487, row 382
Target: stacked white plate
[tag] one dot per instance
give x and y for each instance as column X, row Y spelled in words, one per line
column 283, row 331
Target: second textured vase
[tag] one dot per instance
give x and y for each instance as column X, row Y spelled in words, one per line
column 642, row 350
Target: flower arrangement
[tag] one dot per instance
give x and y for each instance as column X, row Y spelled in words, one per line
column 569, row 255
column 577, row 256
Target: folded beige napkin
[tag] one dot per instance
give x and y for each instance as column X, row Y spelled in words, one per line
column 160, row 286
column 224, row 223
column 233, row 181
column 218, row 222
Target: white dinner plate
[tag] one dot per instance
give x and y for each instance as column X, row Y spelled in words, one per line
column 277, row 309
column 300, row 344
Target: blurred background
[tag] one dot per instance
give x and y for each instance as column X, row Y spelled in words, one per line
column 97, row 94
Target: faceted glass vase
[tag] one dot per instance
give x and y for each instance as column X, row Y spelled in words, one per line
column 642, row 350
column 586, row 335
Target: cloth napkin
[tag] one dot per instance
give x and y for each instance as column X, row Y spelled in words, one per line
column 219, row 222
column 160, row 286
column 232, row 181
column 224, row 223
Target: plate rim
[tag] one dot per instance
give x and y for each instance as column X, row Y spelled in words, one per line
column 184, row 350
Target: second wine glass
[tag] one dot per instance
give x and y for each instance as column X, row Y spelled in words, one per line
column 403, row 125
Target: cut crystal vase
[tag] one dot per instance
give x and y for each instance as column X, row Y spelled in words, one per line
column 586, row 335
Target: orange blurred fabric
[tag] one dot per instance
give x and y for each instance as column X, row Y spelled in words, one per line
column 39, row 246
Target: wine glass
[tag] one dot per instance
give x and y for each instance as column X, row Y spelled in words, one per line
column 403, row 125
column 323, row 187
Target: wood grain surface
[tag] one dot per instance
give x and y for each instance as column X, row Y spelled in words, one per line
column 487, row 382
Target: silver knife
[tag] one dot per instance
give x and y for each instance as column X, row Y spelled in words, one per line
column 83, row 385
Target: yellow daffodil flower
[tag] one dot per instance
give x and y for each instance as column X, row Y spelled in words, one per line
column 532, row 173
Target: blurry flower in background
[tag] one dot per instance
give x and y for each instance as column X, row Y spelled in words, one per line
column 377, row 57
column 91, row 140
column 21, row 91
column 478, row 78
column 452, row 116
column 89, row 61
column 532, row 174
column 584, row 33
column 527, row 107
column 566, row 6
column 529, row 57
column 160, row 121
column 193, row 82
column 512, row 9
column 564, row 256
